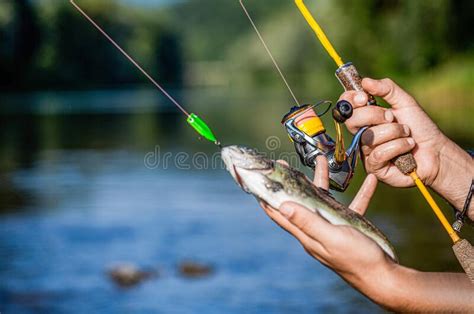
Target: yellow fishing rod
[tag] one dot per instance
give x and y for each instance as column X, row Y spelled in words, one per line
column 350, row 78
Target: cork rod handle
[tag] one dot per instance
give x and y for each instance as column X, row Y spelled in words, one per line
column 350, row 78
column 464, row 252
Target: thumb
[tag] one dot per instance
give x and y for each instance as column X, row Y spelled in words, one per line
column 393, row 94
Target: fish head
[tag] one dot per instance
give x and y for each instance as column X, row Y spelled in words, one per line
column 269, row 181
column 248, row 167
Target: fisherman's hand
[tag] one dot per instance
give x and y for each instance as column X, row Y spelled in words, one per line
column 354, row 256
column 363, row 264
column 406, row 127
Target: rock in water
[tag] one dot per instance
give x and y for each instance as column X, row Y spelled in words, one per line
column 128, row 275
column 194, row 270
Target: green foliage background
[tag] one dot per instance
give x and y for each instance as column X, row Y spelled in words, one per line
column 427, row 46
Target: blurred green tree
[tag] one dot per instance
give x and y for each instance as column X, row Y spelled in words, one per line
column 82, row 55
column 461, row 15
column 399, row 38
column 21, row 39
column 169, row 59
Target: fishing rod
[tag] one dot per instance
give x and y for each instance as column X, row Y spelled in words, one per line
column 192, row 119
column 350, row 79
column 308, row 133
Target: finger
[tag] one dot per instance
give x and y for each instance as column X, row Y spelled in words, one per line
column 283, row 162
column 383, row 133
column 383, row 154
column 367, row 116
column 310, row 223
column 279, row 219
column 321, row 173
column 265, row 206
column 273, row 214
column 357, row 99
column 389, row 91
column 362, row 199
column 308, row 242
column 393, row 176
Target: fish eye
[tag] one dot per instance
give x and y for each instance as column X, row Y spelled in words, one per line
column 246, row 150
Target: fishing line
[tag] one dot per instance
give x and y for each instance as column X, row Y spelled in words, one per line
column 193, row 120
column 135, row 63
column 269, row 53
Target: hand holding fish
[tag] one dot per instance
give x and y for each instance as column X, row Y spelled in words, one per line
column 350, row 253
column 363, row 264
column 405, row 127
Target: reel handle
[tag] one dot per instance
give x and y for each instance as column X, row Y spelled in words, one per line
column 342, row 112
column 350, row 78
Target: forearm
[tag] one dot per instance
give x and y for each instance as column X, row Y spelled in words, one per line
column 455, row 176
column 402, row 289
column 429, row 292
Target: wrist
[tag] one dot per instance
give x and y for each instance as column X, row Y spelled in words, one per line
column 455, row 174
column 395, row 291
column 381, row 283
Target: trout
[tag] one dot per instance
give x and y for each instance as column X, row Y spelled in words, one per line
column 275, row 184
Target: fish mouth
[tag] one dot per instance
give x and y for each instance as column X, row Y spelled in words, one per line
column 231, row 167
column 238, row 179
column 240, row 159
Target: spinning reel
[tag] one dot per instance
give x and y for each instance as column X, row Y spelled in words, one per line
column 307, row 132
